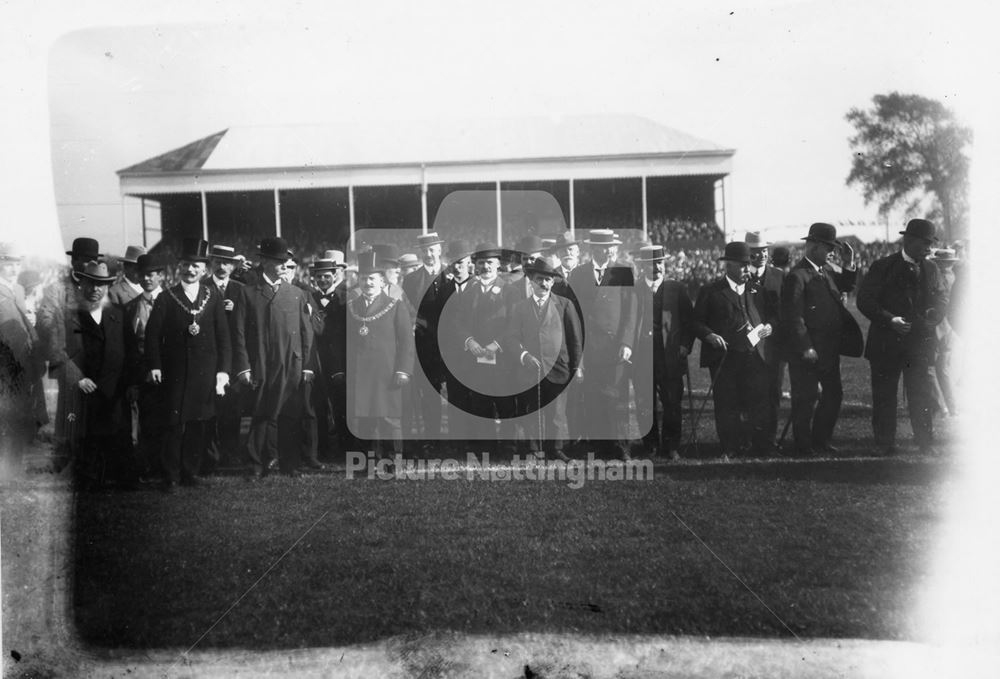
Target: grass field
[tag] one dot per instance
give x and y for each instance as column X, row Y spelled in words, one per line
column 774, row 548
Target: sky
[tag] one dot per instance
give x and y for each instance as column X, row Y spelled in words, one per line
column 772, row 80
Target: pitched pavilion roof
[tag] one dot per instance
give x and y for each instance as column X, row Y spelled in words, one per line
column 370, row 143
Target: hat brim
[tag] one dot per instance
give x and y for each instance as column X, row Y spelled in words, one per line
column 601, row 242
column 203, row 260
column 96, row 279
column 662, row 258
column 822, row 240
column 531, row 271
column 225, row 258
column 932, row 239
column 733, row 259
column 430, row 243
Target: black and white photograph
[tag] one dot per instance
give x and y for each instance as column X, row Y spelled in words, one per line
column 529, row 340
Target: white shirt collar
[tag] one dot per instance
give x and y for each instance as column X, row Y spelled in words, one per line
column 734, row 286
column 433, row 271
column 134, row 286
column 220, row 282
column 190, row 290
column 654, row 285
column 541, row 300
column 270, row 282
column 814, row 265
column 97, row 314
column 906, row 257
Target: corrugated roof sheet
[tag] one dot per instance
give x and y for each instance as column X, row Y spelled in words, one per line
column 415, row 142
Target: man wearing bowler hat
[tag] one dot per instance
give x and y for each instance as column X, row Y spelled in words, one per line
column 607, row 305
column 818, row 329
column 188, row 352
column 905, row 299
column 223, row 447
column 128, row 286
column 424, row 289
column 735, row 326
column 59, row 301
column 274, row 336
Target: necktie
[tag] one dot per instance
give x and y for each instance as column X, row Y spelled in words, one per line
column 142, row 318
column 600, row 275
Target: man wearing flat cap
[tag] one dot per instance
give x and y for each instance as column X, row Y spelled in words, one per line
column 607, row 307
column 188, row 353
column 818, row 329
column 274, row 336
column 905, row 299
column 735, row 326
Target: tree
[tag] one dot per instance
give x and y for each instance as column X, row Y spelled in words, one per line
column 910, row 150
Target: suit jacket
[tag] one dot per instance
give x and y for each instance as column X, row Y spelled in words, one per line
column 891, row 288
column 189, row 362
column 482, row 316
column 97, row 352
column 769, row 286
column 665, row 324
column 23, row 366
column 135, row 346
column 553, row 336
column 329, row 339
column 122, row 292
column 425, row 293
column 274, row 336
column 720, row 310
column 376, row 354
column 814, row 316
column 608, row 311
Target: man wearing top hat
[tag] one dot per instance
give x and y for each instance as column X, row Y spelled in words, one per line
column 188, row 353
column 905, row 299
column 22, row 398
column 664, row 335
column 424, row 289
column 128, row 286
column 379, row 358
column 817, row 330
column 544, row 340
column 93, row 380
column 274, row 336
column 57, row 303
column 144, row 397
column 607, row 306
column 223, row 446
column 767, row 280
column 735, row 326
column 527, row 249
column 329, row 397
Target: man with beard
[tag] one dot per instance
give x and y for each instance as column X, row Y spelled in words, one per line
column 664, row 335
column 329, row 396
column 145, row 397
column 424, row 289
column 274, row 336
column 94, row 372
column 129, row 285
column 188, row 352
column 608, row 309
column 818, row 330
column 379, row 353
column 734, row 325
column 223, row 448
column 905, row 298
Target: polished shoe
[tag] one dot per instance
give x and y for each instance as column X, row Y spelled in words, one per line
column 315, row 465
column 561, row 456
column 272, row 465
column 828, row 448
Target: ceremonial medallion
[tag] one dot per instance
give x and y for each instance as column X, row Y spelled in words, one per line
column 363, row 330
column 194, row 328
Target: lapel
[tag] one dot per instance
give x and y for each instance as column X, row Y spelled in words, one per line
column 729, row 294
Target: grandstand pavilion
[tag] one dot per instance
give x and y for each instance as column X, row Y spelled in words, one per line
column 320, row 184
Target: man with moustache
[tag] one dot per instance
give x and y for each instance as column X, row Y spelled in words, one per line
column 329, row 396
column 223, row 446
column 94, row 373
column 424, row 289
column 188, row 352
column 766, row 281
column 379, row 353
column 607, row 305
column 905, row 298
column 274, row 336
column 142, row 394
column 818, row 330
column 544, row 334
column 664, row 335
column 128, row 286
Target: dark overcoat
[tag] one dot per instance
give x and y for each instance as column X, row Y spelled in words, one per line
column 553, row 336
column 664, row 324
column 814, row 316
column 720, row 310
column 373, row 358
column 97, row 352
column 274, row 336
column 189, row 362
column 892, row 288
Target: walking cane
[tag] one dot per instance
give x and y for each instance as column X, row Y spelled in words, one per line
column 784, row 432
column 711, row 387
